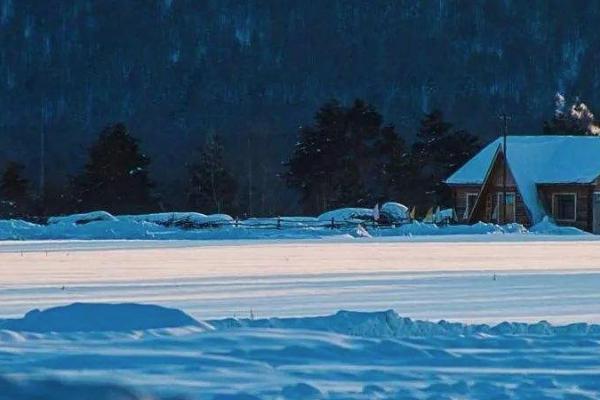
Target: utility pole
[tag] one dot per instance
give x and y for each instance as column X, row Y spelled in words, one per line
column 42, row 155
column 249, row 154
column 505, row 118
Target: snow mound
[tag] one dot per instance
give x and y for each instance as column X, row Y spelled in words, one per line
column 97, row 317
column 388, row 324
column 424, row 229
column 282, row 222
column 28, row 389
column 396, row 212
column 181, row 219
column 14, row 229
column 81, row 219
column 347, row 214
column 547, row 227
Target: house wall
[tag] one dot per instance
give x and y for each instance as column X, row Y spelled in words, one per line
column 460, row 199
column 497, row 186
column 489, row 197
column 583, row 203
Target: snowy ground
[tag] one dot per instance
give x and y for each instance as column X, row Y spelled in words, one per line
column 362, row 356
column 346, row 356
column 557, row 281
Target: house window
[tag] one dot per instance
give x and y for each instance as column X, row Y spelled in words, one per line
column 564, row 206
column 469, row 204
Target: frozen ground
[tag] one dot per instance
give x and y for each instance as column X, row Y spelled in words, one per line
column 367, row 355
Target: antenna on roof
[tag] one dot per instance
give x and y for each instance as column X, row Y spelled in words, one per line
column 505, row 118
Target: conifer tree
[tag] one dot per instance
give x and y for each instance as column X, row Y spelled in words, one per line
column 436, row 154
column 115, row 178
column 14, row 195
column 342, row 158
column 211, row 185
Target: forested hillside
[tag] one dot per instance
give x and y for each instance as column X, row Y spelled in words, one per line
column 179, row 71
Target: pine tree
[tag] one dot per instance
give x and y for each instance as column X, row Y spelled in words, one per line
column 212, row 187
column 338, row 160
column 438, row 151
column 313, row 165
column 14, row 196
column 115, row 178
column 395, row 167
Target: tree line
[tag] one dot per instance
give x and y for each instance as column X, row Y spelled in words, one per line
column 347, row 156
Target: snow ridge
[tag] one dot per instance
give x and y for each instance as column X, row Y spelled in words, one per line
column 388, row 324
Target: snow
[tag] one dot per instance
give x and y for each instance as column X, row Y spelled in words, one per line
column 348, row 355
column 94, row 317
column 395, row 211
column 388, row 324
column 80, row 219
column 547, row 227
column 262, row 320
column 418, row 278
column 100, row 225
column 537, row 160
column 174, row 218
column 347, row 214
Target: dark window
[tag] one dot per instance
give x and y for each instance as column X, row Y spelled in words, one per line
column 563, row 206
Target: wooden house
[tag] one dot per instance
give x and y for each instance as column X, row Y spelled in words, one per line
column 543, row 176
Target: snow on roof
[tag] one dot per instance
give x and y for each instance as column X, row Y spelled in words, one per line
column 537, row 160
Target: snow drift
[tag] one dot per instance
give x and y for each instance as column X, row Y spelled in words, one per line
column 349, row 355
column 388, row 324
column 54, row 389
column 100, row 225
column 92, row 317
column 127, row 317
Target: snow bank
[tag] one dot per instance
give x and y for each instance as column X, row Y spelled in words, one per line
column 282, row 222
column 80, row 219
column 49, row 389
column 547, row 227
column 347, row 214
column 100, row 225
column 92, row 317
column 396, row 212
column 14, row 229
column 387, row 324
column 184, row 219
column 425, row 229
column 128, row 317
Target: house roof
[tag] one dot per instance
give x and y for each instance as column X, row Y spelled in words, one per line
column 537, row 160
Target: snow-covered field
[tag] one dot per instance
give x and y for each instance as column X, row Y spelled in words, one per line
column 344, row 356
column 347, row 355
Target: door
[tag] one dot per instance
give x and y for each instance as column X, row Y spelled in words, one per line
column 596, row 213
column 511, row 209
